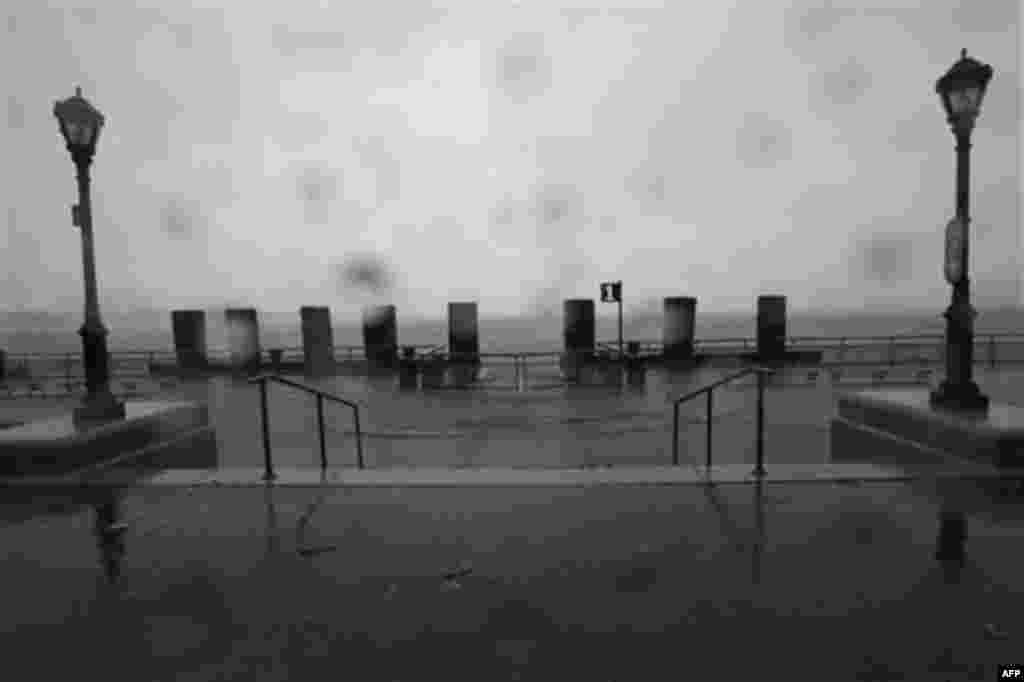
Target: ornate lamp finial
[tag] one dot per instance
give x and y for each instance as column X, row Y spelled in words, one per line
column 963, row 53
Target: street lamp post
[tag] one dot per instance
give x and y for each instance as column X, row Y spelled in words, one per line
column 961, row 89
column 80, row 124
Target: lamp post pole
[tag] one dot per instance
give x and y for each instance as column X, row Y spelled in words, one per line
column 93, row 332
column 99, row 403
column 959, row 391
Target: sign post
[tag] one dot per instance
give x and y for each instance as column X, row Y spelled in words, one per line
column 611, row 292
column 955, row 238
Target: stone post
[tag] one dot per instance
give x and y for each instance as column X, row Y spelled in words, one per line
column 189, row 329
column 679, row 329
column 380, row 337
column 579, row 336
column 317, row 341
column 243, row 338
column 771, row 329
column 463, row 342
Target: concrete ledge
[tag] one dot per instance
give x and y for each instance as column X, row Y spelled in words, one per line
column 55, row 445
column 850, row 441
column 425, row 477
column 191, row 450
column 996, row 438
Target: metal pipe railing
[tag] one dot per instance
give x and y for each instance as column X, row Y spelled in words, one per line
column 759, row 467
column 320, row 396
column 268, row 467
column 761, row 373
column 707, row 457
column 323, row 436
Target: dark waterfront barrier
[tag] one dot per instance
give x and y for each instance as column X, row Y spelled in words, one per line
column 429, row 363
column 679, row 328
column 189, row 330
column 317, row 341
column 771, row 329
column 380, row 337
column 243, row 338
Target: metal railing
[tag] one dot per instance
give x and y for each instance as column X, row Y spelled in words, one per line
column 320, row 397
column 893, row 350
column 761, row 373
column 842, row 346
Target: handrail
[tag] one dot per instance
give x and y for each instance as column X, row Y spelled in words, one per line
column 320, row 396
column 761, row 373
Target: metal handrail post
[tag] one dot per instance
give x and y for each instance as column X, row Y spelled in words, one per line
column 359, row 440
column 268, row 474
column 675, row 434
column 759, row 467
column 323, row 439
column 707, row 456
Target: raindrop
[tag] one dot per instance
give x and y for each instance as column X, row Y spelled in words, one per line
column 365, row 272
column 523, row 68
column 888, row 259
column 845, row 84
column 175, row 219
column 763, row 142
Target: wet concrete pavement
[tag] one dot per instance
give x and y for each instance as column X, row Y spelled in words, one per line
column 542, row 428
column 615, row 583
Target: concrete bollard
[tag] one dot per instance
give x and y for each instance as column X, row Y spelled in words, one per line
column 612, row 372
column 317, row 341
column 636, row 371
column 771, row 329
column 433, row 371
column 275, row 359
column 463, row 342
column 579, row 336
column 679, row 328
column 189, row 330
column 408, row 371
column 243, row 338
column 380, row 337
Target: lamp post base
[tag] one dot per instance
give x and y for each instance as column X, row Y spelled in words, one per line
column 99, row 408
column 961, row 397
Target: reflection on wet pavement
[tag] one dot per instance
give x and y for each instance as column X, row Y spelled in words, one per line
column 533, row 574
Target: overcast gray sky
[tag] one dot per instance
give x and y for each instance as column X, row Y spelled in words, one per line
column 513, row 153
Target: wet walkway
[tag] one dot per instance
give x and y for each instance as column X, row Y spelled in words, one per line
column 555, row 428
column 638, row 572
column 608, row 583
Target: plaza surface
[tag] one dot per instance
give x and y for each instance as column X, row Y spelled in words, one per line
column 545, row 428
column 414, row 570
column 580, row 582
